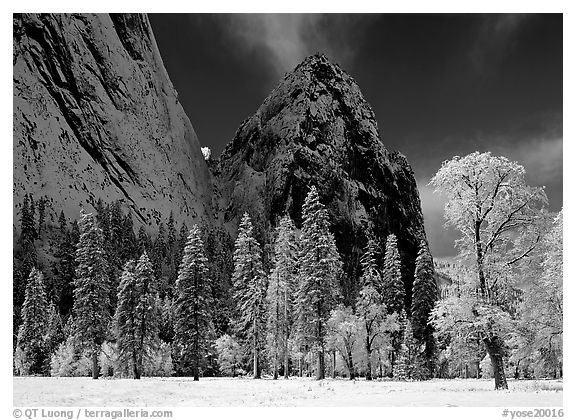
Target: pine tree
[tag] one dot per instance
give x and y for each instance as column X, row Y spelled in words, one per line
column 166, row 332
column 64, row 267
column 408, row 364
column 91, row 289
column 25, row 252
column 54, row 329
column 192, row 320
column 41, row 215
column 370, row 307
column 31, row 335
column 147, row 310
column 125, row 318
column 400, row 365
column 249, row 290
column 24, row 258
column 393, row 292
column 280, row 295
column 144, row 243
column 157, row 256
column 370, row 274
column 424, row 297
column 319, row 270
column 171, row 232
column 129, row 241
column 137, row 315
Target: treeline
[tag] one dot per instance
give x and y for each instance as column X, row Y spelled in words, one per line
column 122, row 304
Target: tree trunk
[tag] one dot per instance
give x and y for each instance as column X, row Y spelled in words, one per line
column 333, row 364
column 135, row 364
column 479, row 260
column 350, row 363
column 320, row 370
column 494, row 346
column 275, row 366
column 95, row 363
column 300, row 367
column 136, row 370
column 368, row 360
column 286, row 364
column 255, row 344
column 196, row 366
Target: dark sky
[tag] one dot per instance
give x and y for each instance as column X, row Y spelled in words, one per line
column 440, row 85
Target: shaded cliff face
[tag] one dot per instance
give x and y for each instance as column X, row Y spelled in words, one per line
column 96, row 116
column 315, row 128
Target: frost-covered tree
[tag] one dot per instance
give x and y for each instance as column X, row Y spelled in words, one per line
column 280, row 295
column 497, row 213
column 393, row 287
column 376, row 324
column 32, row 332
column 137, row 315
column 343, row 334
column 125, row 319
column 229, row 354
column 25, row 258
column 424, row 297
column 375, row 321
column 319, row 269
column 91, row 290
column 192, row 314
column 538, row 336
column 249, row 282
column 54, row 329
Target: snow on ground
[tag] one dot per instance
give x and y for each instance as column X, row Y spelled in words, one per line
column 173, row 392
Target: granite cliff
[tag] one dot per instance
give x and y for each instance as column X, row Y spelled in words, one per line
column 96, row 116
column 315, row 128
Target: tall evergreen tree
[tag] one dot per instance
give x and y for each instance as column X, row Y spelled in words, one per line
column 41, row 215
column 393, row 292
column 144, row 242
column 91, row 289
column 192, row 320
column 280, row 295
column 54, row 329
column 25, row 259
column 424, row 297
column 137, row 315
column 249, row 290
column 370, row 273
column 371, row 311
column 166, row 332
column 31, row 335
column 64, row 267
column 129, row 240
column 319, row 270
column 25, row 252
column 408, row 365
column 158, row 255
column 171, row 240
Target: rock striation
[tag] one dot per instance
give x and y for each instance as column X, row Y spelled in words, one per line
column 96, row 116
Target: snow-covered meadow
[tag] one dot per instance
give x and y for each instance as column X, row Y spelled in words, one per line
column 43, row 391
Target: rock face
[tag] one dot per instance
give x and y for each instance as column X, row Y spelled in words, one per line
column 315, row 128
column 96, row 116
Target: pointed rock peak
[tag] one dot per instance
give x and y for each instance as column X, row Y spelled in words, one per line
column 320, row 68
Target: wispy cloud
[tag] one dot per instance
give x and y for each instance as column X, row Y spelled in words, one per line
column 440, row 237
column 495, row 38
column 286, row 39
